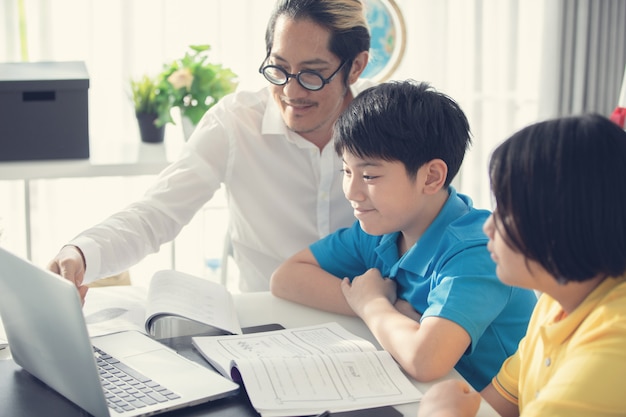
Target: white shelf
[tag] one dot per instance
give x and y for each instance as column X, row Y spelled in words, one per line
column 107, row 159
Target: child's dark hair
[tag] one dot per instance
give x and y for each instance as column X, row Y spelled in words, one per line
column 560, row 191
column 404, row 121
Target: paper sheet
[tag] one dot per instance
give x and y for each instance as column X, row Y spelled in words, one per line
column 114, row 309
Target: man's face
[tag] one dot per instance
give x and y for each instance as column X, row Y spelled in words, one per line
column 303, row 45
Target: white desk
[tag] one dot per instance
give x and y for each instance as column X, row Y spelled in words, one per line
column 263, row 308
column 253, row 309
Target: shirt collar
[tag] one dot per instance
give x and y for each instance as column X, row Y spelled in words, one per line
column 272, row 119
column 420, row 254
column 559, row 331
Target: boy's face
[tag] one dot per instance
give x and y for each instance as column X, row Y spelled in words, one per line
column 303, row 45
column 383, row 197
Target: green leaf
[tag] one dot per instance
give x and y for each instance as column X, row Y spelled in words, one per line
column 210, row 83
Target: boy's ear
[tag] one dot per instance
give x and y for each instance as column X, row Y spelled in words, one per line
column 436, row 173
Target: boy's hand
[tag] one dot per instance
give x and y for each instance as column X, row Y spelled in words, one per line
column 367, row 287
column 452, row 398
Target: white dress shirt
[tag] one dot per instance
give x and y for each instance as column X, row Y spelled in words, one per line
column 282, row 193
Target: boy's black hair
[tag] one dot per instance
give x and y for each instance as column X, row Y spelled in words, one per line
column 560, row 191
column 404, row 121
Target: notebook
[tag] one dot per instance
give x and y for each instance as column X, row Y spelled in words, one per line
column 47, row 335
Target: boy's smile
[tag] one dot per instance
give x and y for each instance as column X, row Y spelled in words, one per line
column 384, row 198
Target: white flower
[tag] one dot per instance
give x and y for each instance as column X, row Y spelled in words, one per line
column 181, row 78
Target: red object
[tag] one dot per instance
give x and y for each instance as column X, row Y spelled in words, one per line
column 619, row 116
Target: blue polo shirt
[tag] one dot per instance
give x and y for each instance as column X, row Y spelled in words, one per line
column 448, row 273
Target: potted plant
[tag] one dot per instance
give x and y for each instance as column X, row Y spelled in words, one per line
column 151, row 107
column 194, row 85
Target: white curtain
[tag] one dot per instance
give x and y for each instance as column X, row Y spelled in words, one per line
column 585, row 57
column 485, row 54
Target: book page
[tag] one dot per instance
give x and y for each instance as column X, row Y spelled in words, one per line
column 220, row 351
column 335, row 382
column 174, row 293
column 114, row 309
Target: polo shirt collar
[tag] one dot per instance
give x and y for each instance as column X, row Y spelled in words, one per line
column 418, row 257
column 558, row 332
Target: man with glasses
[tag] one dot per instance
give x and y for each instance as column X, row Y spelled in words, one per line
column 309, row 79
column 269, row 148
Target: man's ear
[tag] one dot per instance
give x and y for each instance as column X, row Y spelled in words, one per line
column 436, row 173
column 358, row 66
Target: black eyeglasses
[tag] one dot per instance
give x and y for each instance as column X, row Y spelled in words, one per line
column 309, row 79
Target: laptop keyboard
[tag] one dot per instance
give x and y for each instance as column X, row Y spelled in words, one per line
column 126, row 389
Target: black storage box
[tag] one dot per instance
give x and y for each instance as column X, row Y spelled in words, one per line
column 44, row 111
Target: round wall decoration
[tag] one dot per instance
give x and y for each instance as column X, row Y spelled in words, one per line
column 388, row 38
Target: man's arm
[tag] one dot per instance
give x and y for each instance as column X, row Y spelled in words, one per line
column 301, row 279
column 426, row 351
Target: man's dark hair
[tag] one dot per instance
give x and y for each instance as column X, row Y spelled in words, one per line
column 344, row 19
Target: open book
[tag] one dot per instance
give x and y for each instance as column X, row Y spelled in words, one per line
column 182, row 304
column 307, row 370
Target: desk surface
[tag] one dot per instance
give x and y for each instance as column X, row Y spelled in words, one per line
column 18, row 389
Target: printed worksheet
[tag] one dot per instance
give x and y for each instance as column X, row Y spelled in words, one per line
column 293, row 371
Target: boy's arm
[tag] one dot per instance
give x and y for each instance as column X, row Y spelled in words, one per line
column 426, row 351
column 504, row 407
column 301, row 279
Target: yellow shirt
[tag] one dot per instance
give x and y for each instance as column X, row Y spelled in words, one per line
column 575, row 366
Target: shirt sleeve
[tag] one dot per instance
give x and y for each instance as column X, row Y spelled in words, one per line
column 463, row 284
column 506, row 381
column 348, row 252
column 170, row 203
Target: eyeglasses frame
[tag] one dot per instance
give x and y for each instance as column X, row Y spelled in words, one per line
column 288, row 75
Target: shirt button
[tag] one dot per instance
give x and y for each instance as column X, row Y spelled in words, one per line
column 548, row 361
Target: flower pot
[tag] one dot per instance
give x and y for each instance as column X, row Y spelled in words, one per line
column 147, row 130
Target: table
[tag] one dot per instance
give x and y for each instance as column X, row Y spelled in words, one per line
column 23, row 395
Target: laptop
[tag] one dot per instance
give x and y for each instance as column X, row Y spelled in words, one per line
column 47, row 335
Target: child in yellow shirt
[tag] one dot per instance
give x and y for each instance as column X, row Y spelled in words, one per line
column 560, row 228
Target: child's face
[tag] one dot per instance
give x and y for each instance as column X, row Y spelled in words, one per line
column 512, row 267
column 383, row 197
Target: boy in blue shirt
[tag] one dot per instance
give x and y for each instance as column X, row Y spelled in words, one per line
column 414, row 266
